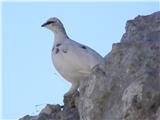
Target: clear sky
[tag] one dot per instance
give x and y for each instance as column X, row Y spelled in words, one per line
column 29, row 78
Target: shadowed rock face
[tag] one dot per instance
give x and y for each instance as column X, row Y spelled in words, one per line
column 126, row 86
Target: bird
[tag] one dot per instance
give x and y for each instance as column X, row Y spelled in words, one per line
column 73, row 60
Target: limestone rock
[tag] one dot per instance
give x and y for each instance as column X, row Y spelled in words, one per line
column 130, row 87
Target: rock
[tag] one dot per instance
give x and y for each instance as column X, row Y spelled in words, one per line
column 28, row 117
column 143, row 28
column 130, row 87
column 56, row 112
column 126, row 86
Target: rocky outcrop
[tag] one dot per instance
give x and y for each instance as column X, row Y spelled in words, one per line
column 57, row 112
column 126, row 86
column 130, row 87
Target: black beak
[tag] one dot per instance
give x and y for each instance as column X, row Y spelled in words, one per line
column 43, row 25
column 46, row 23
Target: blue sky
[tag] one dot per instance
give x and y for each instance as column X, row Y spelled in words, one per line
column 29, row 78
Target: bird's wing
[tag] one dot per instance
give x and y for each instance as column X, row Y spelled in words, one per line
column 81, row 56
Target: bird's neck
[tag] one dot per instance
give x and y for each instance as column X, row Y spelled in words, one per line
column 60, row 35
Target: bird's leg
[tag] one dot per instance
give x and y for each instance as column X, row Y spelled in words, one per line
column 73, row 88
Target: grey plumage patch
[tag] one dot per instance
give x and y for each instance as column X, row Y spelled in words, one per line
column 84, row 47
column 59, row 44
column 57, row 50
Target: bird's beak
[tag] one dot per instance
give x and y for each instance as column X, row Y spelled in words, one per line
column 44, row 24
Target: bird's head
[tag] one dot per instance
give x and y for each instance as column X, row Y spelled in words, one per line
column 53, row 24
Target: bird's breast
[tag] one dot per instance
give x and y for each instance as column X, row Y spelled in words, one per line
column 74, row 61
column 66, row 65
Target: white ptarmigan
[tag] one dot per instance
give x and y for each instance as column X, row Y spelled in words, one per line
column 72, row 60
